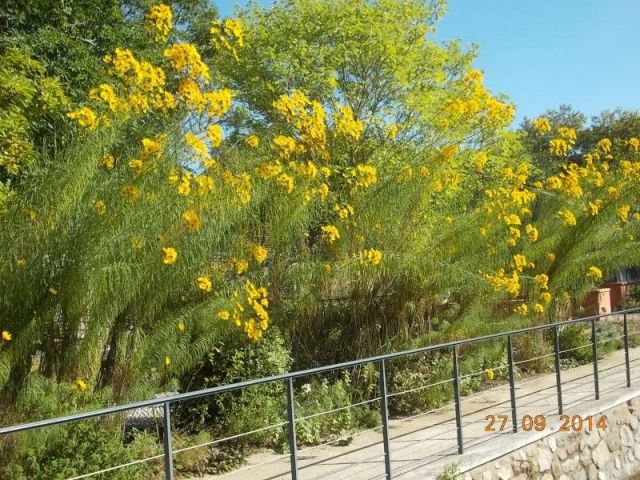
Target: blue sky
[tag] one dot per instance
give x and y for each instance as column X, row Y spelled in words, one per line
column 542, row 53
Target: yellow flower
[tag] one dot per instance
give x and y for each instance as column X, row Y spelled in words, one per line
column 391, row 131
column 6, row 336
column 365, row 175
column 186, row 59
column 170, row 255
column 532, row 232
column 259, row 253
column 253, row 141
column 214, row 134
column 343, row 211
column 197, row 145
column 108, row 161
column 181, row 326
column 240, row 266
column 538, row 308
column 21, row 262
column 490, row 374
column 559, row 147
column 595, row 273
column 346, row 124
column 623, row 213
column 285, row 182
column 191, row 219
column 105, row 93
column 568, row 217
column 634, row 143
column 604, row 145
column 323, row 192
column 218, row 102
column 551, row 256
column 331, row 232
column 130, row 192
column 512, row 219
column 542, row 125
column 167, row 360
column 160, row 18
column 204, row 283
column 136, row 166
column 595, row 207
column 520, row 262
column 545, row 297
column 80, row 385
column 371, row 257
column 481, row 159
column 521, row 309
column 223, row 315
column 85, row 117
column 542, row 280
column 286, row 145
column 100, row 206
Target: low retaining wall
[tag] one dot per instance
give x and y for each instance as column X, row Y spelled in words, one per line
column 609, row 454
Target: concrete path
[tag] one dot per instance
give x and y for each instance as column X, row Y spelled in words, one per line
column 423, row 445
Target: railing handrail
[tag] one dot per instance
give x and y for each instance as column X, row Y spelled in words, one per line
column 158, row 402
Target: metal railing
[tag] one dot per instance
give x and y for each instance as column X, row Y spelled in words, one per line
column 381, row 360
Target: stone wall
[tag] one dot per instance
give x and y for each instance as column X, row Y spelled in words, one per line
column 609, row 454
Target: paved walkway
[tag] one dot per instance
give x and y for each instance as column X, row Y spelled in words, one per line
column 422, row 445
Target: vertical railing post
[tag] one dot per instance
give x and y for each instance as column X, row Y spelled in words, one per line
column 594, row 354
column 556, row 350
column 291, row 417
column 456, row 394
column 384, row 412
column 166, row 441
column 512, row 384
column 626, row 350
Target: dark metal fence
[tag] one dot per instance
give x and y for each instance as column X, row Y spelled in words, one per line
column 381, row 360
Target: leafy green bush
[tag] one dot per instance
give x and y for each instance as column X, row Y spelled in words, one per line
column 416, row 371
column 239, row 411
column 575, row 344
column 80, row 448
column 532, row 352
column 323, row 395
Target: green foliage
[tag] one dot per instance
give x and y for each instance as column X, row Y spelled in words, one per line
column 79, row 448
column 31, row 105
column 324, row 395
column 241, row 411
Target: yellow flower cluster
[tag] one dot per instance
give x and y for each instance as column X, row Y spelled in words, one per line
column 343, row 211
column 85, row 117
column 185, row 58
column 508, row 283
column 365, row 175
column 595, row 273
column 331, row 233
column 169, row 255
column 191, row 220
column 560, row 146
column 160, row 18
column 259, row 253
column 542, row 125
column 204, row 283
column 258, row 301
column 227, row 34
column 568, row 217
column 308, row 118
column 346, row 124
column 370, row 256
column 6, row 335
